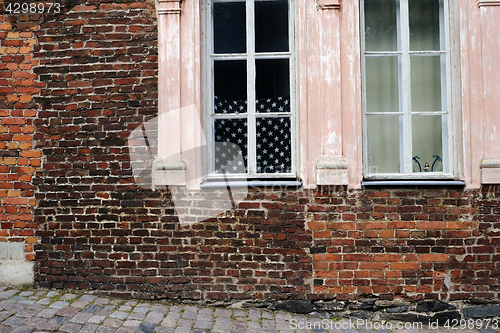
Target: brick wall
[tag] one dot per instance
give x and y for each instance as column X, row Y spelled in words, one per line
column 96, row 67
column 18, row 158
column 420, row 243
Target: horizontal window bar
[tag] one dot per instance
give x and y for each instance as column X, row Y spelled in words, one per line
column 426, row 52
column 393, row 53
column 414, row 113
column 257, row 55
column 251, row 183
column 244, row 115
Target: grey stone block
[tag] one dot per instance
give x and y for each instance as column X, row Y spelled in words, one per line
column 17, row 273
column 443, row 318
column 481, row 311
column 92, row 308
column 432, row 306
column 146, row 327
column 12, row 251
column 295, row 306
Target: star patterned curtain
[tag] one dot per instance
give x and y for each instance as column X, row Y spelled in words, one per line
column 273, row 137
column 273, row 145
column 231, row 145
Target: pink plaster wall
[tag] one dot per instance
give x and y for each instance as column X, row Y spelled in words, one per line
column 329, row 84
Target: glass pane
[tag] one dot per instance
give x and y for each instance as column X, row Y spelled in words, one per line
column 229, row 21
column 230, row 151
column 427, row 143
column 272, row 85
column 382, row 84
column 274, row 150
column 383, row 144
column 230, row 86
column 424, row 25
column 271, row 26
column 426, row 83
column 381, row 25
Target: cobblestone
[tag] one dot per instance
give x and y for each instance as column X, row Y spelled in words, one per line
column 91, row 314
column 59, row 305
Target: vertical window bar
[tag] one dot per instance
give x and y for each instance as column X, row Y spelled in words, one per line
column 446, row 92
column 401, row 79
column 293, row 126
column 251, row 87
column 406, row 87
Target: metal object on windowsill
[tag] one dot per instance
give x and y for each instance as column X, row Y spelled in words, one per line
column 415, row 158
column 438, row 158
column 427, row 168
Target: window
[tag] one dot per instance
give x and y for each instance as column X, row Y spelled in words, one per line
column 250, row 93
column 406, row 96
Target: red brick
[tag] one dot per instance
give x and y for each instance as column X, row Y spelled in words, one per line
column 373, row 265
column 431, row 225
column 15, row 201
column 387, row 257
column 371, row 225
column 13, row 121
column 432, row 257
column 358, row 257
column 316, row 225
column 405, row 265
column 327, row 257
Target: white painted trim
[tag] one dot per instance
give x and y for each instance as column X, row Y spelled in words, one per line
column 405, row 113
column 250, row 56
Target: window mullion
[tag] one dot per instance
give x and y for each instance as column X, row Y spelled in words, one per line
column 251, row 151
column 406, row 88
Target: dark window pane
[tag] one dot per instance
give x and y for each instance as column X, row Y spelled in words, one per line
column 424, row 25
column 380, row 25
column 271, row 26
column 230, row 86
column 272, row 85
column 229, row 22
column 274, row 145
column 230, row 151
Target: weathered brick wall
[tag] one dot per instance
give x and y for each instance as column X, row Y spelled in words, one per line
column 420, row 243
column 96, row 66
column 18, row 158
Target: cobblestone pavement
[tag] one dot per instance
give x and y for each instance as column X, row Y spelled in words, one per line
column 31, row 311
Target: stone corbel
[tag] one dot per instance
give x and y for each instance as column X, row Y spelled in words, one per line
column 331, row 171
column 166, row 7
column 484, row 3
column 169, row 172
column 328, row 4
column 490, row 170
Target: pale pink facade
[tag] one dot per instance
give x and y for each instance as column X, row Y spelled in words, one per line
column 328, row 90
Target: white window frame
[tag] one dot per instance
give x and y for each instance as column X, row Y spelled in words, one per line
column 405, row 128
column 250, row 56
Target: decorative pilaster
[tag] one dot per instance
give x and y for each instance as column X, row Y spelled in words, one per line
column 490, row 37
column 331, row 169
column 168, row 168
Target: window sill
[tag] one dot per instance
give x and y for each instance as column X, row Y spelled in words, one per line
column 250, row 183
column 413, row 183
